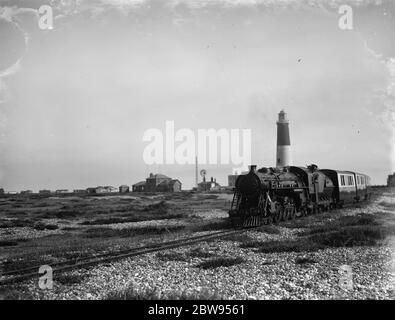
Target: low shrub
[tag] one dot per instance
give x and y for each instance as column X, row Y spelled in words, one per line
column 104, row 232
column 155, row 293
column 220, row 262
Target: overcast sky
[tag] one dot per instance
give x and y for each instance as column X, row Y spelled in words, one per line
column 75, row 100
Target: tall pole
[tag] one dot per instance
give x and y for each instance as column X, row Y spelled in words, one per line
column 196, row 172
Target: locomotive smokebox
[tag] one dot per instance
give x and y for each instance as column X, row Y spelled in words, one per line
column 284, row 157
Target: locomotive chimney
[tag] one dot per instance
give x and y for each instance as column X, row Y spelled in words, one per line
column 284, row 157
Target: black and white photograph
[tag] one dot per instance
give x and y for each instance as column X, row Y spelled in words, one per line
column 220, row 151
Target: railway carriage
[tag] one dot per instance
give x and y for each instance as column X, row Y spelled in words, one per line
column 350, row 187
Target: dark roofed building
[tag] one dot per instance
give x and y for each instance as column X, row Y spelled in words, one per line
column 173, row 185
column 139, row 187
column 154, row 180
column 91, row 190
column 79, row 191
column 158, row 183
column 391, row 180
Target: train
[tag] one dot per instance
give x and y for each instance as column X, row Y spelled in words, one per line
column 270, row 195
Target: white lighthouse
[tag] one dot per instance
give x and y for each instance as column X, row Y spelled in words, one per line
column 284, row 157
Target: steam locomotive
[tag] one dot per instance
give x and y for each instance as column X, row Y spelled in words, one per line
column 270, row 195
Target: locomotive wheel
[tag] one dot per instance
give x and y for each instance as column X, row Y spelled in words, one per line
column 292, row 213
column 276, row 217
column 287, row 214
column 283, row 214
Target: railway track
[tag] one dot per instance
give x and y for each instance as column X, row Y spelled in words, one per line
column 15, row 276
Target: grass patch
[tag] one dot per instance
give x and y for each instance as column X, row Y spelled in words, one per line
column 364, row 235
column 17, row 223
column 239, row 237
column 43, row 226
column 347, row 231
column 342, row 222
column 270, row 229
column 129, row 232
column 8, row 243
column 214, row 225
column 135, row 218
column 171, row 256
column 220, row 262
column 68, row 279
column 155, row 293
column 69, row 228
column 304, row 260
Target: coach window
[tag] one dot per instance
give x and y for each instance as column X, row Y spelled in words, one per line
column 342, row 180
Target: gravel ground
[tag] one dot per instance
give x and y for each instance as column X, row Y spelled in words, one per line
column 285, row 275
column 261, row 276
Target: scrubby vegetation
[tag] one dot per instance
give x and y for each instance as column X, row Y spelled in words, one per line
column 220, row 262
column 345, row 231
column 155, row 293
column 105, row 232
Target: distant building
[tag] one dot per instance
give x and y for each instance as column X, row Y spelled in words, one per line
column 26, row 192
column 158, row 183
column 79, row 191
column 62, row 191
column 44, row 191
column 391, row 180
column 100, row 189
column 12, row 192
column 139, row 186
column 91, row 190
column 1, row 191
column 110, row 189
column 209, row 185
column 123, row 189
column 173, row 185
column 154, row 180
